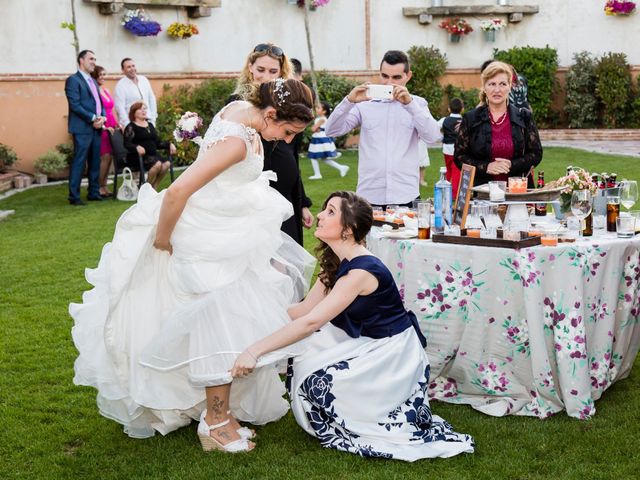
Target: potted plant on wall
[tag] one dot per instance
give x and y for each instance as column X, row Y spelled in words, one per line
column 619, row 7
column 140, row 24
column 182, row 30
column 490, row 27
column 456, row 27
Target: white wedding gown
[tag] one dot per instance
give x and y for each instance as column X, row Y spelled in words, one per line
column 157, row 328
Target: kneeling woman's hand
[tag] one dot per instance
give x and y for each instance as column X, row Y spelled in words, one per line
column 245, row 363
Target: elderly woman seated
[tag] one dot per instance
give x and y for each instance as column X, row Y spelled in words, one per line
column 141, row 138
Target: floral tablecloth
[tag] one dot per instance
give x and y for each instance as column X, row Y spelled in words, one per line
column 525, row 332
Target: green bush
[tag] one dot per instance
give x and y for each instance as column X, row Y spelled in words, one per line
column 7, row 156
column 634, row 118
column 332, row 89
column 470, row 98
column 206, row 99
column 66, row 149
column 613, row 88
column 51, row 162
column 538, row 66
column 581, row 105
column 428, row 65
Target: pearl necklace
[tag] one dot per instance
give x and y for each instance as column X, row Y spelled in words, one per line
column 500, row 120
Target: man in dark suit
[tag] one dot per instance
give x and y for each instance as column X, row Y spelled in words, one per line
column 86, row 118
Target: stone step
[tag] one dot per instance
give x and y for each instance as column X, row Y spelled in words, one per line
column 632, row 134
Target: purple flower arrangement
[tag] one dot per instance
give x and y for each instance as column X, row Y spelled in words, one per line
column 619, row 7
column 138, row 23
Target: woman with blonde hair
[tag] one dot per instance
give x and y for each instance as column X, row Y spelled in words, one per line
column 264, row 63
column 498, row 139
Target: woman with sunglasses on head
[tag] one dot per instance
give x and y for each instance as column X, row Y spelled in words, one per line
column 498, row 139
column 193, row 276
column 267, row 62
column 361, row 385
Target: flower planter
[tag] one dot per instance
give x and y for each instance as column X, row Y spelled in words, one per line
column 503, row 2
column 22, row 181
column 455, row 38
column 40, row 178
column 490, row 35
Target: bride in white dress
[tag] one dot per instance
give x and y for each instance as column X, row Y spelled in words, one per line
column 194, row 275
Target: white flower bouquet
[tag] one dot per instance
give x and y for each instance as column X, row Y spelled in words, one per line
column 188, row 128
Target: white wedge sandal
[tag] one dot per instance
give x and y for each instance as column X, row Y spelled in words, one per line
column 244, row 432
column 209, row 443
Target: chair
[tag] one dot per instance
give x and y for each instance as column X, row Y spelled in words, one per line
column 120, row 161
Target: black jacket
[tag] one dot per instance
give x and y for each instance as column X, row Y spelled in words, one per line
column 473, row 145
column 283, row 159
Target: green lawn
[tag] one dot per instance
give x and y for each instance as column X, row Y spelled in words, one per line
column 50, row 429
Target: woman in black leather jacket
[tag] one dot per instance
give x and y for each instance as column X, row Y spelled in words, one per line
column 498, row 139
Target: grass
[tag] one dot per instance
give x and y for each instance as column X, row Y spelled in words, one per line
column 50, row 429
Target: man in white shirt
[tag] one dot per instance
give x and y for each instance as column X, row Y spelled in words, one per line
column 130, row 89
column 388, row 170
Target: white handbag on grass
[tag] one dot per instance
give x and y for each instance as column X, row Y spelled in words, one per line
column 128, row 191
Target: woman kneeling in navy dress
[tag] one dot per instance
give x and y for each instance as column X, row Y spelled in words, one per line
column 361, row 385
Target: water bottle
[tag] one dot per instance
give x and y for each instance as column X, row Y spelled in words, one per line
column 442, row 202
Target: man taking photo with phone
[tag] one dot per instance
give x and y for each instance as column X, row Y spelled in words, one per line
column 390, row 126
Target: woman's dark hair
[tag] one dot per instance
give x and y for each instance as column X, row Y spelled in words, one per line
column 292, row 99
column 133, row 109
column 357, row 217
column 326, row 106
column 97, row 71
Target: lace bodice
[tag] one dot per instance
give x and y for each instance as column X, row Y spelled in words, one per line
column 248, row 169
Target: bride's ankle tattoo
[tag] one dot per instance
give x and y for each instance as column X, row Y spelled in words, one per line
column 217, row 407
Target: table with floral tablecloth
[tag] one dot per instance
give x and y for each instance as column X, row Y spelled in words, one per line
column 525, row 332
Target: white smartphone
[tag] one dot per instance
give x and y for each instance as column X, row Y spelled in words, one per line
column 380, row 92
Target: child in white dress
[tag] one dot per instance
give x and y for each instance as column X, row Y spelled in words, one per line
column 321, row 146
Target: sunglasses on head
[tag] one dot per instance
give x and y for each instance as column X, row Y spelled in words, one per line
column 270, row 49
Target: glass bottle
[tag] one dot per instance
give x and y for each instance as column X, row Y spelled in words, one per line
column 541, row 207
column 588, row 225
column 442, row 203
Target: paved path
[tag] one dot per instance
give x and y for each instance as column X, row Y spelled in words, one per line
column 615, row 147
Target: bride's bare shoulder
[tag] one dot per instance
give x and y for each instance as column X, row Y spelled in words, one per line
column 236, row 112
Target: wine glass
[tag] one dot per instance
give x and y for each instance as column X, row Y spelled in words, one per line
column 581, row 205
column 628, row 193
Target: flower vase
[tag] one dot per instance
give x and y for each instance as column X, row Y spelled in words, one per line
column 562, row 207
column 490, row 36
column 454, row 38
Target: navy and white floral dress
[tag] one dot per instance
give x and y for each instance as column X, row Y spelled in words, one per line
column 362, row 385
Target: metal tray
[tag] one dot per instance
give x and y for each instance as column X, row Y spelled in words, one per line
column 524, row 242
column 535, row 195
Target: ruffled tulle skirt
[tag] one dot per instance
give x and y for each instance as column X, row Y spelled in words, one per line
column 157, row 328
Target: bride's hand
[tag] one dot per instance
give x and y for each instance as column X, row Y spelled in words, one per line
column 164, row 246
column 245, row 363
